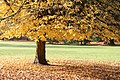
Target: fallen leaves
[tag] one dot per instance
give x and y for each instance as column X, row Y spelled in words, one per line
column 16, row 68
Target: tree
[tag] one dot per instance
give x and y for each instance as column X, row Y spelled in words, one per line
column 108, row 20
column 58, row 20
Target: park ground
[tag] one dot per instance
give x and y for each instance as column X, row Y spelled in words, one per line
column 67, row 62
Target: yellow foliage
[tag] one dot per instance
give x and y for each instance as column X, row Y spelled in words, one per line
column 59, row 20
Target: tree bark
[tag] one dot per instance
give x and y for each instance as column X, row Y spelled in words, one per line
column 85, row 41
column 81, row 42
column 112, row 42
column 40, row 57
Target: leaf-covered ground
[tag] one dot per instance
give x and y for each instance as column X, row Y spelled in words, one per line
column 16, row 68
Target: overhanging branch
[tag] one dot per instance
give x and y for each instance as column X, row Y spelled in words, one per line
column 14, row 13
column 7, row 3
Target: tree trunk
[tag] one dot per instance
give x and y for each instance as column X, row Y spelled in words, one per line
column 85, row 41
column 40, row 57
column 112, row 42
column 81, row 42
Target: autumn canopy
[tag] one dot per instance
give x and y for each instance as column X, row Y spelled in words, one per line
column 39, row 20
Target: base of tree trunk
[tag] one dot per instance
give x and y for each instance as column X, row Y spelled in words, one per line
column 36, row 61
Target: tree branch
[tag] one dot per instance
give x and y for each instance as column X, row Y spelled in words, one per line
column 14, row 13
column 7, row 2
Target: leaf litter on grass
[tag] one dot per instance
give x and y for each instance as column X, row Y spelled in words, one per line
column 16, row 68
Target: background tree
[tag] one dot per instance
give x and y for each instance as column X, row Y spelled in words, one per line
column 59, row 20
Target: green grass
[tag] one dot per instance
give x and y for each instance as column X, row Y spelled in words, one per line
column 65, row 52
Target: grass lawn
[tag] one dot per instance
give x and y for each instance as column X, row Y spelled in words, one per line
column 67, row 62
column 65, row 52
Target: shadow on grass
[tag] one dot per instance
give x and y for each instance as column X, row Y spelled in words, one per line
column 47, row 46
column 55, row 46
column 72, row 46
column 14, row 45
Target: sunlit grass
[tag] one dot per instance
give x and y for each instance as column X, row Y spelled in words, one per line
column 65, row 52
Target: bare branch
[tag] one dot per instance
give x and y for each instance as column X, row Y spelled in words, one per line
column 7, row 3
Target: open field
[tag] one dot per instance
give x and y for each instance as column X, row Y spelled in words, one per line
column 109, row 53
column 68, row 62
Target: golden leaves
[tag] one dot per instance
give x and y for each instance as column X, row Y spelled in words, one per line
column 3, row 8
column 68, row 4
column 22, row 68
column 61, row 19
